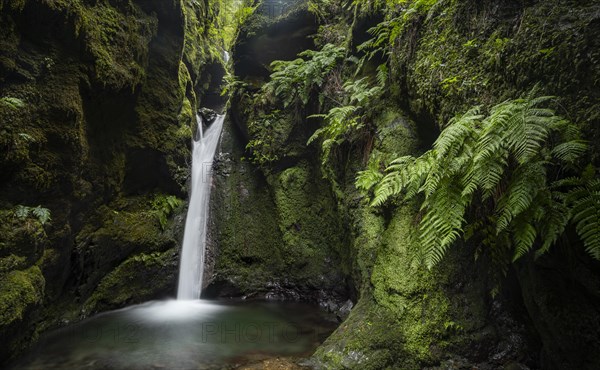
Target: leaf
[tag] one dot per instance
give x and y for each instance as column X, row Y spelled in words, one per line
column 42, row 214
column 11, row 102
column 570, row 151
column 586, row 215
column 22, row 212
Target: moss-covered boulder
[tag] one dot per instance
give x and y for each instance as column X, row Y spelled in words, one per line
column 140, row 278
column 275, row 236
column 21, row 292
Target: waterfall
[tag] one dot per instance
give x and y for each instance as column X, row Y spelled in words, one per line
column 191, row 269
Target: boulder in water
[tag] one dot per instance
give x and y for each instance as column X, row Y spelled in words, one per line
column 208, row 115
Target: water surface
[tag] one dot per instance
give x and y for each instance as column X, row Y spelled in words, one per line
column 183, row 335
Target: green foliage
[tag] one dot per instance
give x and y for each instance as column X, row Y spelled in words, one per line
column 344, row 122
column 370, row 177
column 41, row 214
column 339, row 123
column 232, row 84
column 498, row 165
column 294, row 81
column 231, row 16
column 163, row 206
column 14, row 103
column 384, row 34
column 262, row 145
column 584, row 203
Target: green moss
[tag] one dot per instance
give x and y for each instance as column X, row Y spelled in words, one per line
column 126, row 228
column 10, row 263
column 412, row 293
column 186, row 116
column 249, row 240
column 19, row 291
column 486, row 58
column 22, row 237
column 131, row 227
column 128, row 283
column 403, row 309
column 280, row 230
column 13, row 4
column 369, row 338
column 307, row 221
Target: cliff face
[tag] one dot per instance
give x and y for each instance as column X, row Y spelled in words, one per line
column 97, row 102
column 274, row 234
column 444, row 57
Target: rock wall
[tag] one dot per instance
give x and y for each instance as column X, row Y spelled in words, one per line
column 456, row 55
column 96, row 102
column 275, row 233
column 446, row 57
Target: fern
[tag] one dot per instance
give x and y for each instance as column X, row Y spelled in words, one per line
column 570, row 151
column 293, row 81
column 11, row 102
column 367, row 179
column 503, row 157
column 556, row 219
column 21, row 212
column 585, row 202
column 42, row 214
column 384, row 34
column 163, row 206
column 523, row 188
column 342, row 123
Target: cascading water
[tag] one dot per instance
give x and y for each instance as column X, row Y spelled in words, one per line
column 191, row 269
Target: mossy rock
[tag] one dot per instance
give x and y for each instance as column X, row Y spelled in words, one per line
column 21, row 292
column 139, row 278
column 276, row 237
column 121, row 234
column 22, row 237
column 311, row 231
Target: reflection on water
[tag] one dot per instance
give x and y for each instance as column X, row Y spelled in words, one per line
column 182, row 335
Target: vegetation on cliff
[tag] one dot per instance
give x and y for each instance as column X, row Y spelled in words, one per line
column 508, row 173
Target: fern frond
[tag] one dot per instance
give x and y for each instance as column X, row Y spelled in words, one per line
column 442, row 224
column 395, row 181
column 42, row 214
column 11, row 102
column 524, row 186
column 459, row 130
column 367, row 179
column 524, row 235
column 570, row 151
column 22, row 212
column 555, row 221
column 586, row 215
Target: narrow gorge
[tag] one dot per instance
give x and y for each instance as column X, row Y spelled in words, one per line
column 321, row 184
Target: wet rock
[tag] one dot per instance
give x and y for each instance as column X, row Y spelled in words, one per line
column 344, row 311
column 208, row 115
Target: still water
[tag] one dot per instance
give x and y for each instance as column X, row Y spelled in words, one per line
column 183, row 335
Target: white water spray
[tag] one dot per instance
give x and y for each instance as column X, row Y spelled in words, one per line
column 191, row 269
